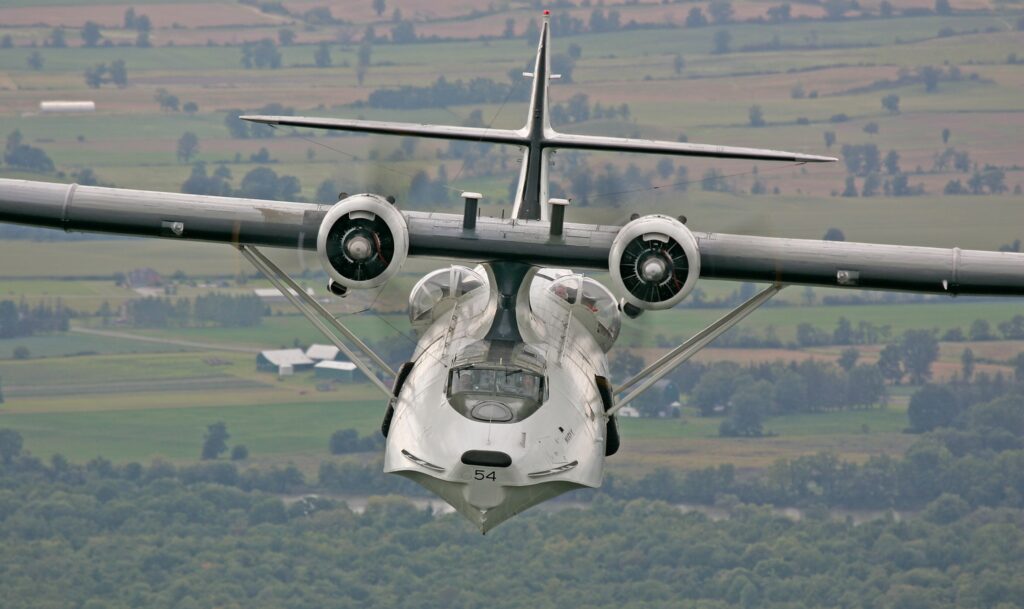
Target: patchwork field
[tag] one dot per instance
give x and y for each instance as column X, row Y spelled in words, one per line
column 134, row 394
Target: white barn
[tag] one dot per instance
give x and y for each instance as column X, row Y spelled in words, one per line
column 283, row 361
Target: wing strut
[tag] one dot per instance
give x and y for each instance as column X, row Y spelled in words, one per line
column 668, row 362
column 317, row 315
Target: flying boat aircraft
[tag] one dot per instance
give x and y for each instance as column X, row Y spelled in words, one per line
column 506, row 401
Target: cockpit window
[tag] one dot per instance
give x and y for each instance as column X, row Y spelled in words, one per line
column 498, row 395
column 591, row 295
column 566, row 288
column 452, row 282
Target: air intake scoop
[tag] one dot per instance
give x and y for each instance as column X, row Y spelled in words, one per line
column 486, row 458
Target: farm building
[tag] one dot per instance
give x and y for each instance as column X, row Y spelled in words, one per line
column 320, row 353
column 66, row 107
column 345, row 372
column 283, row 361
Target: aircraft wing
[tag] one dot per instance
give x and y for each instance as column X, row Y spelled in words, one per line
column 581, row 246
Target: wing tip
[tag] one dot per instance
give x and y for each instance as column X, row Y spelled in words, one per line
column 259, row 118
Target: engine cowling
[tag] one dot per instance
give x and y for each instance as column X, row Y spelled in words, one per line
column 654, row 262
column 363, row 242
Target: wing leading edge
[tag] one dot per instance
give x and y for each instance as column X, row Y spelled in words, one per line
column 582, row 246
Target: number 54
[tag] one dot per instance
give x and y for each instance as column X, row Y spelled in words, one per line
column 484, row 475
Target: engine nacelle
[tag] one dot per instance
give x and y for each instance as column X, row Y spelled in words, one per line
column 654, row 262
column 363, row 241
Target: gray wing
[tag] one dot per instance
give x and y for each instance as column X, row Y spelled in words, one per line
column 148, row 213
column 582, row 246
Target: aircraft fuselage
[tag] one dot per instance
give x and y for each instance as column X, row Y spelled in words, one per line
column 501, row 407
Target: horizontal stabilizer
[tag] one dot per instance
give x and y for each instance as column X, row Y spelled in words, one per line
column 616, row 144
column 475, row 134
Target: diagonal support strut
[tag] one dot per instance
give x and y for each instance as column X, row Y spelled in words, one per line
column 668, row 362
column 317, row 315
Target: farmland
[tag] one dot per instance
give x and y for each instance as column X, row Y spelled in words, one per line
column 135, row 393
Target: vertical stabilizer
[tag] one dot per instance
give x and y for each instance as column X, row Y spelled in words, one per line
column 528, row 204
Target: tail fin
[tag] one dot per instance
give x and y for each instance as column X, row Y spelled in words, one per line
column 538, row 138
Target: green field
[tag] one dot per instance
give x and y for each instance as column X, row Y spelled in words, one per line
column 784, row 320
column 269, row 431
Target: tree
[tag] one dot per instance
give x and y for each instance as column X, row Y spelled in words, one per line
column 190, row 107
column 510, row 29
column 129, row 19
column 980, row 330
column 942, row 7
column 23, row 156
column 95, row 77
column 1, row 391
column 848, row 358
column 865, row 386
column 379, row 6
column 834, row 234
column 678, row 64
column 945, row 135
column 830, row 138
column 930, row 75
column 920, row 349
column 756, row 116
column 892, row 163
column 722, row 41
column 261, row 54
column 747, row 409
column 343, row 442
column 166, row 100
column 142, row 40
column 188, row 146
column 91, row 33
column 890, row 363
column 967, row 364
column 285, row 37
column 891, row 103
column 721, row 11
column 851, row 187
column 403, row 33
column 35, row 61
column 22, row 352
column 236, row 127
column 715, row 388
column 363, row 60
column 239, row 452
column 57, row 38
column 932, row 406
column 10, row 445
column 119, row 73
column 696, row 18
column 322, row 56
column 215, row 442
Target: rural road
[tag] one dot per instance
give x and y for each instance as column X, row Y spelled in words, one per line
column 167, row 341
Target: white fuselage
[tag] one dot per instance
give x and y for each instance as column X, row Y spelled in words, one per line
column 494, row 426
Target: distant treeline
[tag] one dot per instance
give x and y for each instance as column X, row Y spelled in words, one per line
column 21, row 319
column 225, row 310
column 119, row 536
column 976, row 457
